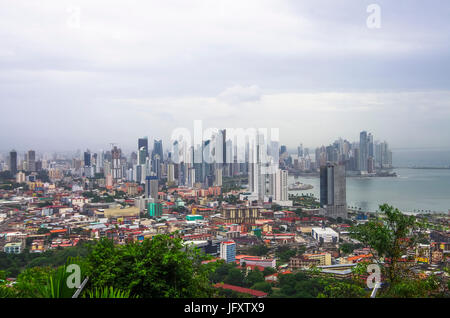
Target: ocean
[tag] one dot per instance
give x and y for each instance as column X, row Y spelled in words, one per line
column 413, row 190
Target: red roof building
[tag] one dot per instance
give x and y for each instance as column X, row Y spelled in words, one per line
column 242, row 290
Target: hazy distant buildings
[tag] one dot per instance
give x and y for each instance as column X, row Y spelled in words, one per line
column 383, row 155
column 365, row 156
column 300, row 151
column 333, row 190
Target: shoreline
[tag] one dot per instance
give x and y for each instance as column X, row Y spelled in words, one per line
column 365, row 193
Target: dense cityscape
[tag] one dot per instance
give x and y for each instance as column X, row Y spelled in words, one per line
column 225, row 157
column 231, row 201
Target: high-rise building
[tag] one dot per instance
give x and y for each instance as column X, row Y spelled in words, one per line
column 281, row 185
column 116, row 169
column 228, row 251
column 333, row 190
column 156, row 165
column 218, row 177
column 256, row 179
column 142, row 156
column 158, row 149
column 363, row 151
column 154, row 209
column 31, row 161
column 223, row 135
column 191, row 177
column 143, row 143
column 87, row 158
column 370, row 146
column 300, row 151
column 13, row 162
column 151, row 187
column 170, row 173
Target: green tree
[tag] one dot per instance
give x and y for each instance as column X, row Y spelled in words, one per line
column 269, row 271
column 391, row 237
column 43, row 230
column 263, row 286
column 253, row 277
column 234, row 277
column 258, row 250
column 347, row 248
column 284, row 253
column 414, row 288
column 159, row 268
column 342, row 289
column 31, row 280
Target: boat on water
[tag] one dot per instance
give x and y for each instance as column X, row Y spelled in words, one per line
column 300, row 186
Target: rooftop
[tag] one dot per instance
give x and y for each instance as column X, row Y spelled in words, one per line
column 242, row 290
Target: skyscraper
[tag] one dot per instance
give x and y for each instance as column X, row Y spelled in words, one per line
column 300, row 151
column 116, row 169
column 31, row 161
column 281, row 185
column 143, row 142
column 228, row 251
column 370, row 146
column 218, row 177
column 333, row 190
column 158, row 149
column 156, row 165
column 170, row 173
column 151, row 187
column 13, row 162
column 363, row 151
column 87, row 158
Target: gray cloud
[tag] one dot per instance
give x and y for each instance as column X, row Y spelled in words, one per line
column 238, row 94
column 146, row 67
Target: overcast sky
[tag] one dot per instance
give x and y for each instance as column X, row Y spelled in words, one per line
column 119, row 70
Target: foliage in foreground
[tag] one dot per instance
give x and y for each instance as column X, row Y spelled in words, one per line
column 391, row 237
column 157, row 268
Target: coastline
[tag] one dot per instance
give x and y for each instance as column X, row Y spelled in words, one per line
column 413, row 191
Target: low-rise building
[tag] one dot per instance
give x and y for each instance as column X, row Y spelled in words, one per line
column 325, row 235
column 13, row 248
column 258, row 261
column 299, row 262
column 324, row 258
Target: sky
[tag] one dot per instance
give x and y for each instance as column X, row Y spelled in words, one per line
column 84, row 74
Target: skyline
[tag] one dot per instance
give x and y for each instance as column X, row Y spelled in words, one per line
column 82, row 74
column 167, row 146
column 225, row 149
